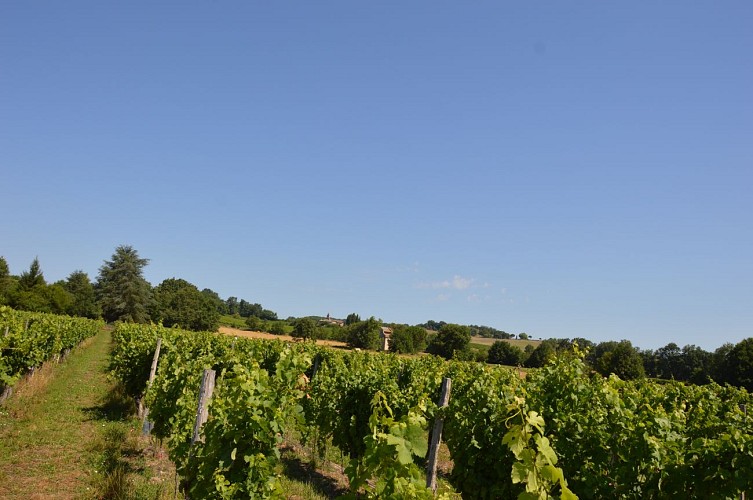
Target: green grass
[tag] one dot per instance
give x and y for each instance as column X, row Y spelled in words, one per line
column 516, row 342
column 68, row 433
column 233, row 321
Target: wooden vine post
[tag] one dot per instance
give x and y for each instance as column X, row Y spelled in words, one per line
column 436, row 438
column 205, row 394
column 146, row 428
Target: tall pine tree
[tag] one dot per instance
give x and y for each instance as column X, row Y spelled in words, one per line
column 122, row 291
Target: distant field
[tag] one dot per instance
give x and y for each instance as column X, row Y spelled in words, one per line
column 520, row 343
column 263, row 335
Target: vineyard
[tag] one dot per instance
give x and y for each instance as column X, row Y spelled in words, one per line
column 29, row 339
column 560, row 431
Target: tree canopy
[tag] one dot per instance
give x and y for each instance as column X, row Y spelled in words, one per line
column 408, row 339
column 364, row 334
column 179, row 303
column 504, row 353
column 122, row 291
column 452, row 341
column 83, row 297
column 305, row 328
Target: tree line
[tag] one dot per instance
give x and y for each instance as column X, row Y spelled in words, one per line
column 121, row 293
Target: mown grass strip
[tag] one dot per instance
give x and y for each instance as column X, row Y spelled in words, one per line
column 68, row 433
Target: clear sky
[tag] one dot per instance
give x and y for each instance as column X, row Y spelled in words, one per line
column 557, row 168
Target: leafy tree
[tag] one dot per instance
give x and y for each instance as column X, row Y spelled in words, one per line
column 523, row 336
column 219, row 304
column 31, row 292
column 541, row 355
column 696, row 367
column 408, row 339
column 268, row 315
column 434, row 326
column 254, row 323
column 32, row 278
column 719, row 368
column 740, row 364
column 668, row 361
column 626, row 362
column 364, row 334
column 59, row 300
column 305, row 328
column 179, row 303
column 83, row 298
column 122, row 292
column 277, row 328
column 504, row 353
column 6, row 282
column 246, row 309
column 352, row 319
column 620, row 358
column 452, row 341
column 489, row 332
column 232, row 305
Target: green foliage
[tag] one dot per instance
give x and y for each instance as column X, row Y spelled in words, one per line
column 277, row 328
column 620, row 358
column 504, row 353
column 33, row 278
column 610, row 438
column 408, row 339
column 542, row 354
column 451, row 342
column 246, row 309
column 215, row 298
column 254, row 323
column 305, row 328
column 388, row 457
column 535, row 462
column 489, row 332
column 31, row 293
column 365, row 334
column 84, row 300
column 249, row 411
column 28, row 339
column 179, row 303
column 352, row 319
column 739, row 364
column 7, row 283
column 122, row 292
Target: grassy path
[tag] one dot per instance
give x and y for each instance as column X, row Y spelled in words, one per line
column 64, row 431
column 48, row 428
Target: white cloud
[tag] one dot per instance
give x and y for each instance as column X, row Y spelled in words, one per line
column 460, row 283
column 456, row 283
column 442, row 297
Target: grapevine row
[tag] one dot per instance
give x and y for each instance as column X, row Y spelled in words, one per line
column 614, row 439
column 28, row 339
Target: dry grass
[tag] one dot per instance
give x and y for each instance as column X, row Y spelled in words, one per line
column 226, row 330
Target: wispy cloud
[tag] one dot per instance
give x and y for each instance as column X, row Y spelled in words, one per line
column 456, row 283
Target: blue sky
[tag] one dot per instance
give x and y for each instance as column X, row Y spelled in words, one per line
column 559, row 168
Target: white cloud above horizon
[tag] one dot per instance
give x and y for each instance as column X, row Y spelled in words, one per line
column 456, row 283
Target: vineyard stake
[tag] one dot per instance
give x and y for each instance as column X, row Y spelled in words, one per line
column 205, row 394
column 436, row 438
column 146, row 428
